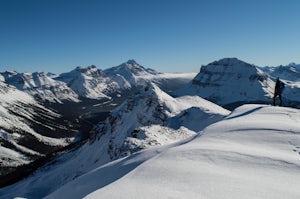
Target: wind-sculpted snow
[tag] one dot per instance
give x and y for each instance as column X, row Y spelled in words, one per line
column 253, row 153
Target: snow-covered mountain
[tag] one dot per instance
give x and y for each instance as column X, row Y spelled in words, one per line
column 92, row 83
column 231, row 82
column 28, row 130
column 40, row 86
column 89, row 82
column 290, row 72
column 131, row 73
column 150, row 118
column 253, row 153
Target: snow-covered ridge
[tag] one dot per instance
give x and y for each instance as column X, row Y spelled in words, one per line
column 129, row 124
column 290, row 72
column 134, row 73
column 40, row 86
column 253, row 153
column 89, row 82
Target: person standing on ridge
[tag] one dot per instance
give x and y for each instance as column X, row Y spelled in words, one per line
column 278, row 91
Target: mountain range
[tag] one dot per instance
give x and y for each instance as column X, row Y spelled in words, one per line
column 87, row 82
column 147, row 113
column 43, row 114
column 289, row 72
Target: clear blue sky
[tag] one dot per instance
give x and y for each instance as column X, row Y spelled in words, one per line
column 166, row 35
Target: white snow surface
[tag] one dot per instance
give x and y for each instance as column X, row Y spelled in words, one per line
column 253, row 153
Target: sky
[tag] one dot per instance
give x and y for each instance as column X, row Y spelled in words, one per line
column 166, row 35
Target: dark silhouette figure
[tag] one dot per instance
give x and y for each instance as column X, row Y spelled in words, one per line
column 278, row 91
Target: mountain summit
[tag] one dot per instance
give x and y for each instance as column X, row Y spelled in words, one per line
column 229, row 81
column 131, row 72
column 89, row 82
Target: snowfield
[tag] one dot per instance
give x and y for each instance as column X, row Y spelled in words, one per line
column 252, row 153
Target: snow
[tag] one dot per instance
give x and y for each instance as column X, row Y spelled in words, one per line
column 289, row 72
column 17, row 113
column 155, row 145
column 12, row 158
column 142, row 122
column 89, row 82
column 40, row 85
column 253, row 153
column 231, row 81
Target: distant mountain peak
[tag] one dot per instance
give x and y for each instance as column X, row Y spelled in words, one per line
column 132, row 62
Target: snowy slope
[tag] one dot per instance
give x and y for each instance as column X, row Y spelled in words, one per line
column 89, row 82
column 27, row 129
column 151, row 118
column 253, row 153
column 40, row 86
column 229, row 82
